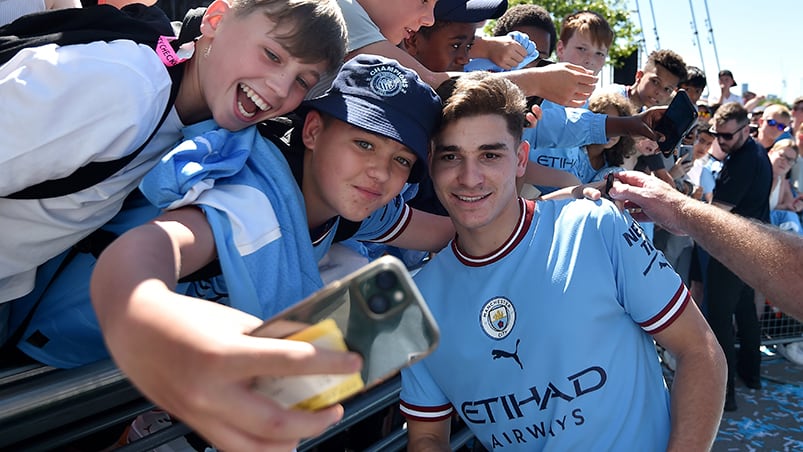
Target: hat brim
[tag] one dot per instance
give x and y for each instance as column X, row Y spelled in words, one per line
column 386, row 121
column 472, row 11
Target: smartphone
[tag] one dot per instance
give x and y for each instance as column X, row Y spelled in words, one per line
column 376, row 311
column 677, row 121
column 684, row 151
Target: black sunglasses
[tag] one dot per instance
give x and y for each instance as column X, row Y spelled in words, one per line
column 725, row 135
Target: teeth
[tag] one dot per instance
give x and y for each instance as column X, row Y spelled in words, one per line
column 470, row 198
column 243, row 111
column 260, row 103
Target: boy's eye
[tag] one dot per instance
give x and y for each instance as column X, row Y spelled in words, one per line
column 364, row 145
column 304, row 84
column 404, row 162
column 490, row 155
column 448, row 157
column 271, row 56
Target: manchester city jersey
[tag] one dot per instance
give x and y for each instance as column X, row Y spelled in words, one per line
column 545, row 343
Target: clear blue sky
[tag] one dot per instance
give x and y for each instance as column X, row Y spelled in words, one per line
column 760, row 41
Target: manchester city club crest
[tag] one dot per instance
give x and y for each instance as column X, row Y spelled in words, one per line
column 497, row 318
column 387, row 81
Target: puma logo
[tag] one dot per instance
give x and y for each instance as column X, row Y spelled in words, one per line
column 504, row 354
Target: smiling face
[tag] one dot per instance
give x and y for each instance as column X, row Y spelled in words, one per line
column 398, row 19
column 474, row 166
column 349, row 171
column 655, row 87
column 244, row 73
column 444, row 48
column 581, row 50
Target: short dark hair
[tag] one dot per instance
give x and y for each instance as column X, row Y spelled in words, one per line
column 704, row 127
column 481, row 93
column 669, row 60
column 528, row 16
column 427, row 31
column 730, row 111
column 694, row 77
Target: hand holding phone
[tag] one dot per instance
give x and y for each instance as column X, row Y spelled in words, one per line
column 376, row 311
column 677, row 121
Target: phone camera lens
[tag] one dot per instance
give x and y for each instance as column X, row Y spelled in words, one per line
column 378, row 303
column 385, row 280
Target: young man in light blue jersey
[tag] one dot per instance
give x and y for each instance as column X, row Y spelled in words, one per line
column 548, row 310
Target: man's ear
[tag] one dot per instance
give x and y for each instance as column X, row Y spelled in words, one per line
column 313, row 125
column 639, row 74
column 522, row 157
column 214, row 12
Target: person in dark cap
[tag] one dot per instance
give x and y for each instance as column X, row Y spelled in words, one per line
column 449, row 43
column 726, row 82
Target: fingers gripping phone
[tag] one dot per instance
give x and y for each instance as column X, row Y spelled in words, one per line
column 677, row 121
column 377, row 311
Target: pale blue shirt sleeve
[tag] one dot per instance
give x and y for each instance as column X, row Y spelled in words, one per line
column 563, row 127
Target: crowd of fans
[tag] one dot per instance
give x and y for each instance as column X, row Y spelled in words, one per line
column 743, row 155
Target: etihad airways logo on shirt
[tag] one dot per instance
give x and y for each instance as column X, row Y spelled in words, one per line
column 529, row 416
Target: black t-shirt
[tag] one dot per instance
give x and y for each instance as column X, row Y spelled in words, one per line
column 745, row 182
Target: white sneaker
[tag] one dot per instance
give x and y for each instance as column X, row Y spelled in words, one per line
column 153, row 421
column 792, row 351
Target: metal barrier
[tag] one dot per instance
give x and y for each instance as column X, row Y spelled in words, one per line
column 779, row 328
column 42, row 408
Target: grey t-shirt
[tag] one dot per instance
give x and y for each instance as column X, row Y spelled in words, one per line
column 362, row 31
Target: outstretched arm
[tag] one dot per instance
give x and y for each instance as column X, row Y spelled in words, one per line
column 425, row 232
column 428, row 436
column 698, row 388
column 562, row 83
column 741, row 244
column 193, row 357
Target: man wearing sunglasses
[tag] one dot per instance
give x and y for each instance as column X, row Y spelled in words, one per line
column 743, row 187
column 773, row 124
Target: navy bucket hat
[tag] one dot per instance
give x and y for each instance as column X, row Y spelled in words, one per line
column 381, row 96
column 469, row 10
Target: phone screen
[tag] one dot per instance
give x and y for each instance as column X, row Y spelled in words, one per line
column 678, row 120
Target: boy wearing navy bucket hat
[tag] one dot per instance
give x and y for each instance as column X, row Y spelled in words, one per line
column 267, row 215
column 271, row 211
